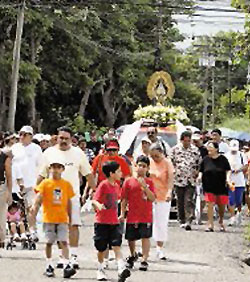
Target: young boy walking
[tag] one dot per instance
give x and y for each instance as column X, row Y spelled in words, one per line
column 137, row 197
column 55, row 197
column 107, row 231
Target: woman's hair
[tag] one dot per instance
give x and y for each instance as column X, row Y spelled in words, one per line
column 215, row 145
column 156, row 146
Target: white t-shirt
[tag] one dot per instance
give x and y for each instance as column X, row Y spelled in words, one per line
column 223, row 148
column 28, row 159
column 236, row 162
column 16, row 174
column 75, row 162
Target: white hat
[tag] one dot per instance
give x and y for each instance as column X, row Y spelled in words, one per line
column 57, row 161
column 47, row 137
column 146, row 139
column 39, row 137
column 196, row 136
column 234, row 145
column 27, row 129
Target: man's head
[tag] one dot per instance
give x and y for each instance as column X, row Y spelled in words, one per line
column 82, row 144
column 112, row 147
column 216, row 135
column 152, row 134
column 234, row 146
column 156, row 152
column 64, row 138
column 26, row 134
column 186, row 139
column 111, row 133
column 197, row 139
column 112, row 170
column 142, row 165
column 145, row 144
column 93, row 136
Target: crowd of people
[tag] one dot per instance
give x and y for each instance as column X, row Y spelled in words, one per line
column 130, row 193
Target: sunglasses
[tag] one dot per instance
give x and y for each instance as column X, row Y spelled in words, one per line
column 111, row 150
column 151, row 132
column 24, row 134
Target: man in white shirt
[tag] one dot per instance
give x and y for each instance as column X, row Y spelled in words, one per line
column 27, row 157
column 76, row 163
column 238, row 163
column 216, row 137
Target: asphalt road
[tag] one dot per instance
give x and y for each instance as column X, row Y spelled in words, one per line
column 194, row 256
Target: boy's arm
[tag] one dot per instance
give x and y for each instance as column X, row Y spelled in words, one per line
column 145, row 187
column 97, row 205
column 124, row 204
column 8, row 178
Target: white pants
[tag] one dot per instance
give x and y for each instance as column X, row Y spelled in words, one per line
column 76, row 211
column 161, row 211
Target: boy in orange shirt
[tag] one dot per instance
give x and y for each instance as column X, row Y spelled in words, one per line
column 55, row 196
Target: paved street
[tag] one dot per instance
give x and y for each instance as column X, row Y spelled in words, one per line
column 194, row 257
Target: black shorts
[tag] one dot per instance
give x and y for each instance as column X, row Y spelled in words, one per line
column 107, row 235
column 137, row 231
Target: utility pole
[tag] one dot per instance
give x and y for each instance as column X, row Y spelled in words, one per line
column 213, row 98
column 15, row 68
column 158, row 57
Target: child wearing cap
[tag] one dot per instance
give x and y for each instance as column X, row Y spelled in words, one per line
column 55, row 196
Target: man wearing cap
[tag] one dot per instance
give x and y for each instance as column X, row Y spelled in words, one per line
column 238, row 163
column 76, row 163
column 110, row 154
column 144, row 149
column 198, row 142
column 27, row 156
column 216, row 137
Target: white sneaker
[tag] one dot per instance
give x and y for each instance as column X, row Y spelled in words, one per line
column 34, row 237
column 16, row 237
column 183, row 225
column 23, row 237
column 74, row 262
column 101, row 275
column 161, row 256
column 232, row 221
column 106, row 264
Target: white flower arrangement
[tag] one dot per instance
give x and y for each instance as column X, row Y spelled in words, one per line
column 161, row 114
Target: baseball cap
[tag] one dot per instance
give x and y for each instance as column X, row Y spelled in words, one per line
column 196, row 136
column 112, row 144
column 27, row 129
column 57, row 161
column 146, row 139
column 234, row 145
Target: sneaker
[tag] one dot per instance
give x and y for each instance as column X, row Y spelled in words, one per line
column 23, row 237
column 68, row 271
column 188, row 227
column 101, row 275
column 183, row 225
column 60, row 263
column 49, row 272
column 74, row 262
column 124, row 275
column 143, row 266
column 160, row 255
column 16, row 238
column 34, row 237
column 106, row 264
column 232, row 221
column 130, row 261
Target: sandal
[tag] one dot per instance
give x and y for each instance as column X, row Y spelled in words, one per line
column 222, row 228
column 209, row 229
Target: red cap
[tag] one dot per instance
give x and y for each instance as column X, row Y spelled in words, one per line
column 112, row 144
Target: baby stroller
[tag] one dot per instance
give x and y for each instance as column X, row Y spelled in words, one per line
column 21, row 234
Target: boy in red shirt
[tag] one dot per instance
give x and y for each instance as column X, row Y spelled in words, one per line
column 107, row 229
column 137, row 197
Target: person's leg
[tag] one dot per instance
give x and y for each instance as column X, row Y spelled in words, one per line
column 3, row 215
column 145, row 248
column 29, row 199
column 210, row 214
column 13, row 230
column 239, row 192
column 247, row 199
column 189, row 203
column 221, row 216
column 131, row 245
column 48, row 251
column 180, row 192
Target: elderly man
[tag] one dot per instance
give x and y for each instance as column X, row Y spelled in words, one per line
column 75, row 163
column 152, row 134
column 186, row 160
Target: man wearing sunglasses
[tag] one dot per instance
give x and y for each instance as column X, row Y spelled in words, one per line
column 27, row 156
column 152, row 134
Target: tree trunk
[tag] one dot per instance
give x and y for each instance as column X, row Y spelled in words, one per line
column 15, row 69
column 32, row 113
column 3, row 109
